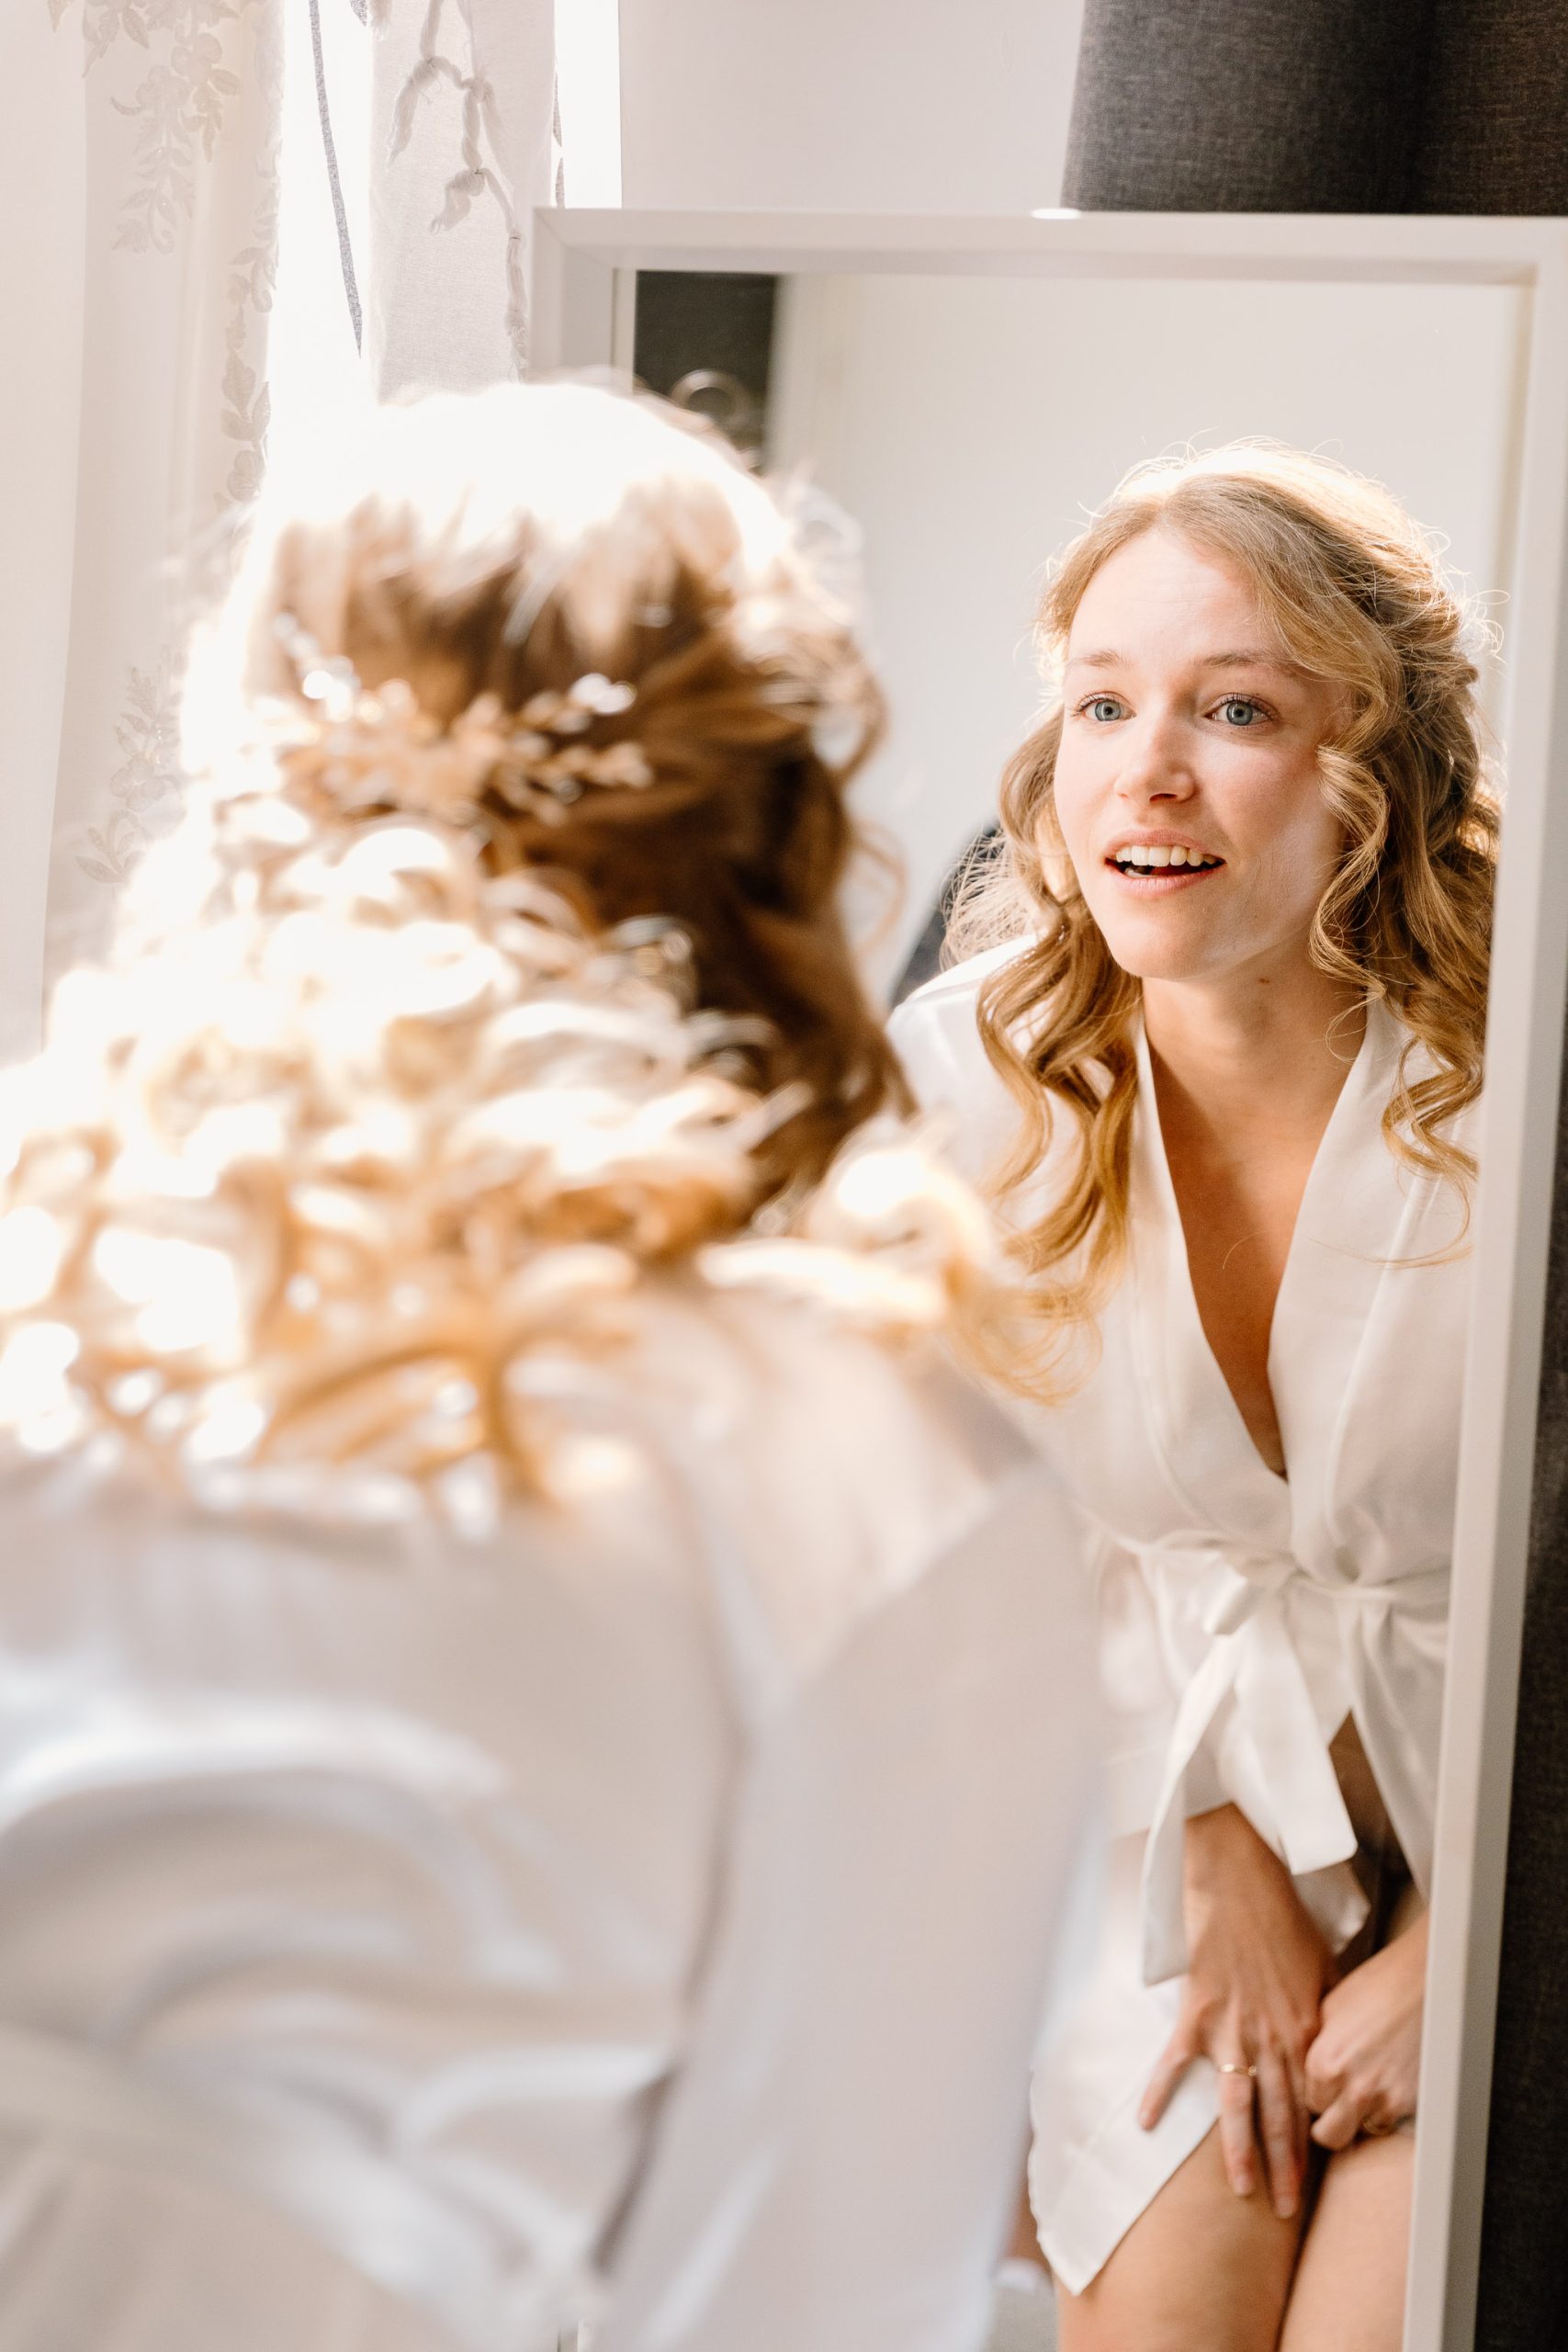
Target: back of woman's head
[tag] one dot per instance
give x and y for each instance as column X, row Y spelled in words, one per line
column 384, row 1105
column 631, row 679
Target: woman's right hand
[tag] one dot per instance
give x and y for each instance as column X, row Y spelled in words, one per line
column 1257, row 1969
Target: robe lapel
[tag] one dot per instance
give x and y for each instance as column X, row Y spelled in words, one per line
column 1357, row 1222
column 1208, row 1455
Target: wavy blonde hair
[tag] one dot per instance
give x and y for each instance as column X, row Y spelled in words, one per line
column 373, row 1115
column 1356, row 594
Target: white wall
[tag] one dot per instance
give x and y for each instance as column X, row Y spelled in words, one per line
column 968, row 423
column 914, row 106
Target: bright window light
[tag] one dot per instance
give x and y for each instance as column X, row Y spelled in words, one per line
column 315, row 368
column 588, row 81
column 313, row 361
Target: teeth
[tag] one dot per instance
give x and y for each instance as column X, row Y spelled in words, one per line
column 1143, row 858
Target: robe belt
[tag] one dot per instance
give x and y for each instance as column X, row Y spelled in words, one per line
column 1253, row 1661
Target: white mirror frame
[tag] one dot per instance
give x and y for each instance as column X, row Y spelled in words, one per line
column 584, row 266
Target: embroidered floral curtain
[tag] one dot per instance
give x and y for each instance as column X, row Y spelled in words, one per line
column 133, row 418
column 139, row 148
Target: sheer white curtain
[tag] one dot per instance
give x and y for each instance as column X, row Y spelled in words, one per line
column 140, row 189
column 139, row 186
column 464, row 143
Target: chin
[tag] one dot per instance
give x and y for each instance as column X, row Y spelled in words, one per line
column 1143, row 957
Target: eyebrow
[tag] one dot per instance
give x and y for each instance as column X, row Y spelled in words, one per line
column 1105, row 657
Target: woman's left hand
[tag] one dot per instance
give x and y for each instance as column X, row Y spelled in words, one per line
column 1361, row 2069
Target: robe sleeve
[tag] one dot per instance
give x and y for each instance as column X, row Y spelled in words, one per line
column 971, row 1112
column 835, row 2164
column 935, row 1036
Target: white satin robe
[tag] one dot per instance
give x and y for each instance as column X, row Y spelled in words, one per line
column 1243, row 1616
column 411, row 1942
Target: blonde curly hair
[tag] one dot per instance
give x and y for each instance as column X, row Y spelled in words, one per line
column 399, row 1080
column 1356, row 594
column 500, row 549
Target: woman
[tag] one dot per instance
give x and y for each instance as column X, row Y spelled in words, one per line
column 1225, row 1075
column 515, row 1749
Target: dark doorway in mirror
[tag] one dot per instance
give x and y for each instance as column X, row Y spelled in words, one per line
column 704, row 340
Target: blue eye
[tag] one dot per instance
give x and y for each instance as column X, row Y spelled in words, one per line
column 1101, row 708
column 1250, row 711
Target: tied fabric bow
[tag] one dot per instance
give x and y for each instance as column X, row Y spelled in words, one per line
column 1255, row 1662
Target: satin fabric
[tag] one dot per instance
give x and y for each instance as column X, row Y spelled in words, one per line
column 1244, row 1616
column 618, row 1917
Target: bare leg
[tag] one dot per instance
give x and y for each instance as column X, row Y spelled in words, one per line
column 1349, row 2288
column 1201, row 2270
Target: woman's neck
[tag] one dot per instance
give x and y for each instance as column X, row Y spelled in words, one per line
column 1252, row 1057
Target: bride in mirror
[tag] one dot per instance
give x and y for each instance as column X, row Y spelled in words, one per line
column 1219, row 1059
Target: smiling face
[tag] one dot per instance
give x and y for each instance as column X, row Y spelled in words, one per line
column 1187, row 786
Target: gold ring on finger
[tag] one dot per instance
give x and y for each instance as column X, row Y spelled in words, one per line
column 1250, row 2072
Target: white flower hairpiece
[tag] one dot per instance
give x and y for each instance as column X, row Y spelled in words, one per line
column 364, row 747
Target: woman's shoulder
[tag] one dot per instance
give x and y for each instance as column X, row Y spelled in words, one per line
column 1402, row 1059
column 832, row 1467
column 936, row 1034
column 952, row 994
column 776, row 1380
column 753, row 1472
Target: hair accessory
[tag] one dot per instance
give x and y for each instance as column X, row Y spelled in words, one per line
column 363, row 746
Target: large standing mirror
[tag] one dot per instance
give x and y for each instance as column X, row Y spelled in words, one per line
column 965, row 391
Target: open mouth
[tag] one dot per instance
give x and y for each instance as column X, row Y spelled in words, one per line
column 1149, row 866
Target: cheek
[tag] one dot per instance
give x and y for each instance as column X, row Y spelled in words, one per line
column 1286, row 822
column 1070, row 799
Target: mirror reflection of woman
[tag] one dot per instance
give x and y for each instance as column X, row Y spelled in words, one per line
column 1223, row 1069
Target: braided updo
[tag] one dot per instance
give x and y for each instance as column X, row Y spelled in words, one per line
column 491, row 982
column 500, row 551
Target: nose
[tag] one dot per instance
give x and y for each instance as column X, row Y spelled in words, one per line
column 1155, row 763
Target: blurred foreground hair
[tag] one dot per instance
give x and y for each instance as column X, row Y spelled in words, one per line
column 400, row 1077
column 495, row 554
